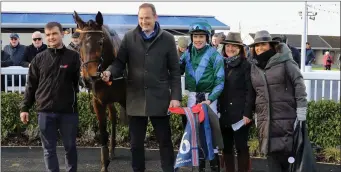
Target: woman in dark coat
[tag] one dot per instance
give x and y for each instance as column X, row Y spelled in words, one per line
column 236, row 103
column 280, row 98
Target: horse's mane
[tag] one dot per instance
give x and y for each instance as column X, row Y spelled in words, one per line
column 114, row 38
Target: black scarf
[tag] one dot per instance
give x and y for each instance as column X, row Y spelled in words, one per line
column 262, row 59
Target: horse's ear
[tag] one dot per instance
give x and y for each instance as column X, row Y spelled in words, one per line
column 80, row 23
column 99, row 18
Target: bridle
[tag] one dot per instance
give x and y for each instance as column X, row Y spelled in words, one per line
column 99, row 68
column 99, row 60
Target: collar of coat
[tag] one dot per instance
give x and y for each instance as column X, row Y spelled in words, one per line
column 138, row 31
column 283, row 54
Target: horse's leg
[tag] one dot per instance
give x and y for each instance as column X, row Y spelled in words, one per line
column 113, row 119
column 101, row 116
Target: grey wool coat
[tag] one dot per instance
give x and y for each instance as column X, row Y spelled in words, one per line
column 280, row 96
column 153, row 72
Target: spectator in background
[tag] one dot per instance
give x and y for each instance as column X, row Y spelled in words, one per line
column 309, row 55
column 5, row 62
column 296, row 55
column 247, row 50
column 16, row 53
column 327, row 60
column 216, row 40
column 182, row 45
column 32, row 50
column 15, row 49
column 5, row 59
column 74, row 44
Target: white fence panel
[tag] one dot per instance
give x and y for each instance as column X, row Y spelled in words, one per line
column 320, row 84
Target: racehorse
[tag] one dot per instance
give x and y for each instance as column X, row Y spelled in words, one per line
column 98, row 49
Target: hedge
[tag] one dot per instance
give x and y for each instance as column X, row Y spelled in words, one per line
column 323, row 121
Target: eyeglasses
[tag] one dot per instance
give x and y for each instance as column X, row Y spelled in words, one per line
column 14, row 38
column 35, row 39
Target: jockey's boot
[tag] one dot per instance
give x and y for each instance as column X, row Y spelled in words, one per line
column 104, row 158
column 202, row 165
column 229, row 163
column 215, row 164
column 244, row 163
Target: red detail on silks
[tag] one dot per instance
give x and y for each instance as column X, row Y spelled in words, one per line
column 196, row 109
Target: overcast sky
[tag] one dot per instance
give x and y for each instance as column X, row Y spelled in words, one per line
column 276, row 17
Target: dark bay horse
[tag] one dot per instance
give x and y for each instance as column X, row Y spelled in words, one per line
column 98, row 49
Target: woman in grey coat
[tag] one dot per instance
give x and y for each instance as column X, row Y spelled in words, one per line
column 280, row 98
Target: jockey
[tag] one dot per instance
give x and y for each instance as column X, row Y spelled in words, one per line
column 204, row 74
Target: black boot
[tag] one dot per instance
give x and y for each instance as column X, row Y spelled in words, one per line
column 202, row 165
column 215, row 163
column 244, row 162
column 229, row 163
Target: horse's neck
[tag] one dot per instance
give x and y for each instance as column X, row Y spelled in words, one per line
column 111, row 46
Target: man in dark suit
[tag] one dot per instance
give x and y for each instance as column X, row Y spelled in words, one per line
column 153, row 67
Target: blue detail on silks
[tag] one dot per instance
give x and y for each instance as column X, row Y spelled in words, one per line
column 220, row 74
column 203, row 64
column 208, row 135
column 220, row 86
column 189, row 64
column 217, row 59
column 197, row 74
column 188, row 155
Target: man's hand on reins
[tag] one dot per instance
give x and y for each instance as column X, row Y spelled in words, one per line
column 174, row 103
column 106, row 76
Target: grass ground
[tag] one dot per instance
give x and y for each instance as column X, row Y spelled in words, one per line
column 321, row 67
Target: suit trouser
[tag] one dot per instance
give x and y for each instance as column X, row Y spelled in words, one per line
column 67, row 124
column 137, row 130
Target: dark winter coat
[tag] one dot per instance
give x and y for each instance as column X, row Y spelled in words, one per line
column 153, row 68
column 238, row 97
column 30, row 52
column 280, row 94
column 16, row 53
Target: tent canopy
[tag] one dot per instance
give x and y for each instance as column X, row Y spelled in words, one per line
column 123, row 21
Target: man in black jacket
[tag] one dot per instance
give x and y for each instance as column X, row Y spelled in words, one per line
column 153, row 66
column 53, row 84
column 32, row 50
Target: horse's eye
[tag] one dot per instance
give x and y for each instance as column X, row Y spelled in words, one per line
column 100, row 43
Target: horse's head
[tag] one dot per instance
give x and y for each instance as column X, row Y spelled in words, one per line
column 92, row 39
